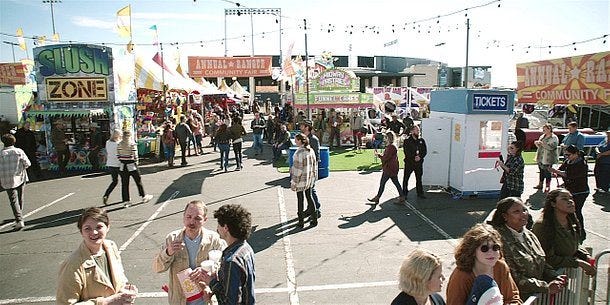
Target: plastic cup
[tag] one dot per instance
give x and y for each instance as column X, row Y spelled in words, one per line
column 132, row 290
column 208, row 265
column 592, row 262
column 215, row 255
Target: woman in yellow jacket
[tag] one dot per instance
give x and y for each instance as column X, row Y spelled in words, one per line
column 93, row 274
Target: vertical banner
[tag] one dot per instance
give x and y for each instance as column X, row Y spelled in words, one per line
column 571, row 80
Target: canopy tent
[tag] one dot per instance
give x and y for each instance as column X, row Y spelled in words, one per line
column 149, row 76
column 230, row 92
column 236, row 86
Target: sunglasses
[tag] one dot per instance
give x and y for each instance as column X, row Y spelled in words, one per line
column 485, row 248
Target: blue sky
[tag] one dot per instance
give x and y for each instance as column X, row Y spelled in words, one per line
column 499, row 37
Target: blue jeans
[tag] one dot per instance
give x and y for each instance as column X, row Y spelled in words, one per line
column 170, row 150
column 602, row 176
column 224, row 154
column 384, row 180
column 258, row 142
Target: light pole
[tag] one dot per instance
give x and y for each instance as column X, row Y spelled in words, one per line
column 12, row 48
column 254, row 11
column 52, row 14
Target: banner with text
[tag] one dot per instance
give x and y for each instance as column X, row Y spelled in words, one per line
column 74, row 73
column 572, row 80
column 229, row 66
column 12, row 74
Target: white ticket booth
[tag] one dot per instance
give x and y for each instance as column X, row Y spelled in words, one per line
column 465, row 134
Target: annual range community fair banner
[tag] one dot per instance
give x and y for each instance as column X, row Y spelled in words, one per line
column 571, row 80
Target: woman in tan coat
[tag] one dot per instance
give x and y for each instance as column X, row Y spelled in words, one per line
column 93, row 274
column 304, row 173
column 546, row 155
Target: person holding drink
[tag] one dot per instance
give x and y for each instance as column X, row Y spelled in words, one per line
column 185, row 249
column 93, row 274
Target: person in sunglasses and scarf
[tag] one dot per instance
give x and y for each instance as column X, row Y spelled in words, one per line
column 480, row 267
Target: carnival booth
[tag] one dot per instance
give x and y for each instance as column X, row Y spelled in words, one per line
column 84, row 90
column 466, row 133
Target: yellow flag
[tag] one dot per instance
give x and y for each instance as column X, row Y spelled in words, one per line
column 56, row 37
column 42, row 40
column 123, row 21
column 20, row 39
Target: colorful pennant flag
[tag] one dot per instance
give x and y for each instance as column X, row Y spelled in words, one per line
column 42, row 40
column 155, row 35
column 56, row 37
column 123, row 21
column 159, row 60
column 20, row 39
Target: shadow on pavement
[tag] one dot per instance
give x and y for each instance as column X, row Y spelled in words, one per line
column 602, row 200
column 263, row 238
column 55, row 220
column 283, row 182
column 187, row 185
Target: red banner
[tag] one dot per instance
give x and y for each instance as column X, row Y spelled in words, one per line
column 572, row 80
column 12, row 74
column 229, row 66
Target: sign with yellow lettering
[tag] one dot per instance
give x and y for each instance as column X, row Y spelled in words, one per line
column 572, row 80
column 76, row 89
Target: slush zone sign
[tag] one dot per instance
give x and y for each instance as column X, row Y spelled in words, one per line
column 76, row 89
column 490, row 102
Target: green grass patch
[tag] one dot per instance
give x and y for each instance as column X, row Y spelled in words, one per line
column 347, row 159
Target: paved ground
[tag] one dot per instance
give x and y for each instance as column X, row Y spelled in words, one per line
column 351, row 257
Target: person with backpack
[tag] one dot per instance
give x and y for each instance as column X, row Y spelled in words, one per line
column 183, row 133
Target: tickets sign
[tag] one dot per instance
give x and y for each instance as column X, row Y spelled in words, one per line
column 12, row 74
column 229, row 66
column 572, row 80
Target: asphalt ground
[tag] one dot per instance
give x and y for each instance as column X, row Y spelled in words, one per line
column 351, row 257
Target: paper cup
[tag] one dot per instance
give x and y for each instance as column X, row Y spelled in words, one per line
column 215, row 255
column 208, row 265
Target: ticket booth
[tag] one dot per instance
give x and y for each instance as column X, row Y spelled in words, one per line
column 466, row 132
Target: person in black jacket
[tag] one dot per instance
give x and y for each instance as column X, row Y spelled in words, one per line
column 415, row 151
column 26, row 140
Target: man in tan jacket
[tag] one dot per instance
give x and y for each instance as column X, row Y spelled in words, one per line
column 187, row 248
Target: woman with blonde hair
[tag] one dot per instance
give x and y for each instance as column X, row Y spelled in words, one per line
column 420, row 279
column 546, row 155
column 112, row 162
column 479, row 259
column 127, row 153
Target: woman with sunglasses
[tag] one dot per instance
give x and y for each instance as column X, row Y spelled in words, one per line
column 559, row 233
column 574, row 171
column 522, row 250
column 420, row 280
column 512, row 177
column 478, row 260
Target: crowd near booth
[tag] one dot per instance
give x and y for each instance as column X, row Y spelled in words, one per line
column 466, row 134
column 82, row 92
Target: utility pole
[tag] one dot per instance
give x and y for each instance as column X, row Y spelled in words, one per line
column 52, row 13
column 306, row 70
column 467, row 43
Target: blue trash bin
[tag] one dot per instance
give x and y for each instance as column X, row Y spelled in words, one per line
column 291, row 152
column 324, row 165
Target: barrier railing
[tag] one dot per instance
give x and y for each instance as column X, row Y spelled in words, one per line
column 580, row 289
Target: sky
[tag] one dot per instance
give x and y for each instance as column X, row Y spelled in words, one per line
column 515, row 32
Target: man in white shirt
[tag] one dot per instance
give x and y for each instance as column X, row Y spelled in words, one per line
column 13, row 175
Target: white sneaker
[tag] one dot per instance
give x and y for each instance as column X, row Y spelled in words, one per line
column 105, row 200
column 19, row 225
column 127, row 204
column 146, row 198
column 600, row 190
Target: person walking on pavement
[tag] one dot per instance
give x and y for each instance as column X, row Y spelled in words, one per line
column 183, row 133
column 186, row 248
column 282, row 141
column 415, row 151
column 234, row 281
column 223, row 139
column 127, row 153
column 307, row 129
column 258, row 127
column 26, row 140
column 237, row 132
column 112, row 162
column 389, row 168
column 303, row 175
column 169, row 143
column 96, row 145
column 13, row 176
column 60, row 142
column 512, row 177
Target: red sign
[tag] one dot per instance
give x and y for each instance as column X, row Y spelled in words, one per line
column 229, row 66
column 12, row 74
column 572, row 80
